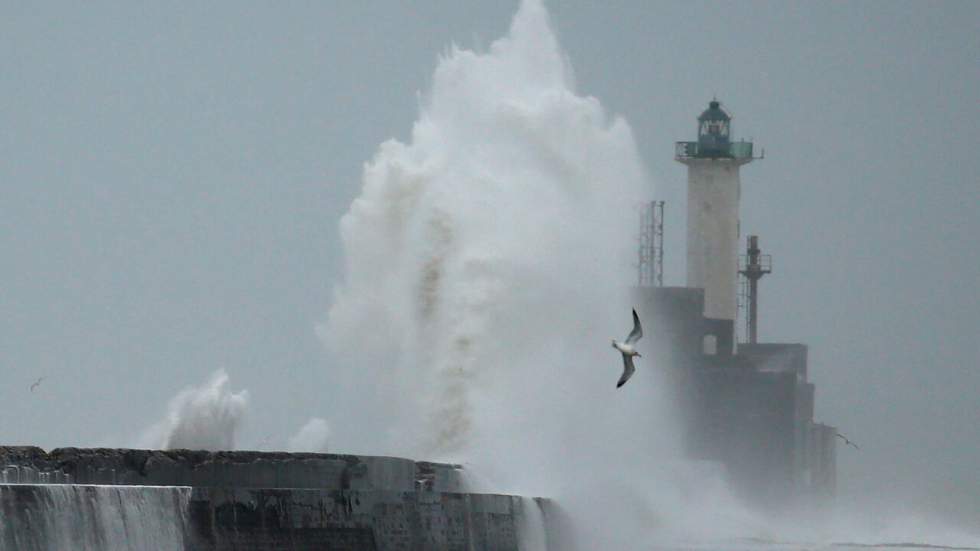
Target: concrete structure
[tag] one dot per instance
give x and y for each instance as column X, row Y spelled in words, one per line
column 713, row 193
column 746, row 406
column 209, row 501
column 751, row 411
column 822, row 452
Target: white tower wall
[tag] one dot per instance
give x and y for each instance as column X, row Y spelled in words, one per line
column 713, row 193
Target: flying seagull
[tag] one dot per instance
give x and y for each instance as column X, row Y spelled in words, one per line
column 36, row 384
column 628, row 351
column 847, row 442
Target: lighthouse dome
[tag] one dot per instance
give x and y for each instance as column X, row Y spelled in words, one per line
column 714, row 112
column 714, row 128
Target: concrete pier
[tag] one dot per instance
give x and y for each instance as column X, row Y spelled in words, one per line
column 248, row 501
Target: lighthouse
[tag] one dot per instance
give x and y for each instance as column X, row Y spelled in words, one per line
column 713, row 193
column 748, row 408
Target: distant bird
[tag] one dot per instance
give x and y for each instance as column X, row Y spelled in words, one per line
column 36, row 384
column 628, row 351
column 847, row 442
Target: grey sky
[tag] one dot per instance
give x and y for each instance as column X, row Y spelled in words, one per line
column 171, row 180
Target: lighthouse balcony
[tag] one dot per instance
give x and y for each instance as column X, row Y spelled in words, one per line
column 740, row 150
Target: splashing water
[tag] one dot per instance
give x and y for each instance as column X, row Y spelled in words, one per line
column 201, row 418
column 488, row 265
column 487, row 260
column 533, row 536
column 311, row 437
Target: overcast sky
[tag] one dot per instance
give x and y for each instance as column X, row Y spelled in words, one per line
column 171, row 180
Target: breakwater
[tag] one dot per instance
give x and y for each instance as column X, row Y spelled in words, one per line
column 108, row 499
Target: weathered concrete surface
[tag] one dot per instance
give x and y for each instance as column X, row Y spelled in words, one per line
column 86, row 517
column 248, row 501
column 239, row 469
column 752, row 411
column 226, row 519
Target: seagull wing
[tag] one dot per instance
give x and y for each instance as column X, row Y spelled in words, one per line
column 628, row 370
column 847, row 441
column 637, row 331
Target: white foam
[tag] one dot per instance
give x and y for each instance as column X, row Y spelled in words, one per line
column 206, row 417
column 488, row 263
column 311, row 437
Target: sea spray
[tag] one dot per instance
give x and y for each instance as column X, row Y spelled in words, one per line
column 311, row 437
column 488, row 258
column 488, row 264
column 206, row 417
column 531, row 526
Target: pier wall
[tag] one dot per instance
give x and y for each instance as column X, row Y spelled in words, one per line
column 247, row 501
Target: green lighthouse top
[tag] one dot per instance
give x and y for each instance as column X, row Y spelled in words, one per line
column 714, row 125
column 714, row 138
column 714, row 112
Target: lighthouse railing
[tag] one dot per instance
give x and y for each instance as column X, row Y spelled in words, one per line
column 695, row 150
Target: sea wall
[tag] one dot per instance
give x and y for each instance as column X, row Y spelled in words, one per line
column 56, row 517
column 238, row 469
column 352, row 520
column 41, row 517
column 107, row 499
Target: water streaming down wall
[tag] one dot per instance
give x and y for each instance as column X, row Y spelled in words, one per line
column 46, row 517
column 532, row 526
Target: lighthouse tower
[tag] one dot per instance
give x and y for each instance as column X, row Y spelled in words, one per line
column 713, row 192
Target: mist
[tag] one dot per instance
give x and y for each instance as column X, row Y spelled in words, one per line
column 488, row 263
column 466, row 280
column 172, row 202
column 314, row 436
column 205, row 417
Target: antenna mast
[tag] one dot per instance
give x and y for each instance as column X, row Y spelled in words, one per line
column 651, row 250
column 752, row 267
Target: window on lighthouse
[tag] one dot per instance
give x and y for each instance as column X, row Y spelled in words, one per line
column 709, row 345
column 714, row 128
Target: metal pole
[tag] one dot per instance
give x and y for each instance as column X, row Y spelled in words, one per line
column 756, row 266
column 753, row 265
